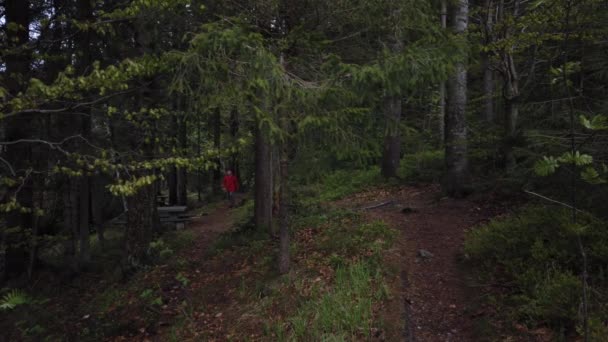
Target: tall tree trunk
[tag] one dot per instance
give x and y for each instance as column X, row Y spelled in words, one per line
column 34, row 241
column 84, row 41
column 182, row 173
column 84, row 254
column 442, row 89
column 17, row 58
column 263, row 180
column 511, row 93
column 97, row 209
column 172, row 183
column 488, row 74
column 457, row 179
column 512, row 114
column 488, row 90
column 283, row 210
column 140, row 220
column 234, row 131
column 217, row 140
column 199, row 183
column 173, row 171
column 142, row 216
column 392, row 140
column 71, row 218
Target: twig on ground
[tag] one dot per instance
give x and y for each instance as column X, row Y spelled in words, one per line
column 378, row 205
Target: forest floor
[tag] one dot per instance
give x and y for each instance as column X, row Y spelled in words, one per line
column 220, row 284
column 437, row 294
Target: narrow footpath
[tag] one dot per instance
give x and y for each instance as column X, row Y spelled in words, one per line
column 434, row 290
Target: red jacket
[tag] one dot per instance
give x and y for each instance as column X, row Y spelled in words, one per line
column 230, row 183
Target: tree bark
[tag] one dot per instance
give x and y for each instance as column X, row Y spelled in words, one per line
column 172, row 183
column 17, row 62
column 70, row 217
column 234, row 131
column 263, row 181
column 84, row 40
column 284, row 257
column 140, row 220
column 84, row 254
column 217, row 140
column 457, row 179
column 392, row 141
column 488, row 90
column 182, row 173
column 511, row 94
column 442, row 89
column 489, row 114
column 97, row 209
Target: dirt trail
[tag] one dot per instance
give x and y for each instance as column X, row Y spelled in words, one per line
column 209, row 226
column 434, row 293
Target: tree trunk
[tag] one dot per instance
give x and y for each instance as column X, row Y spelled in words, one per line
column 182, row 173
column 173, row 171
column 488, row 90
column 97, row 209
column 17, row 64
column 283, row 213
column 488, row 74
column 199, row 183
column 70, row 217
column 172, row 183
column 140, row 220
column 84, row 255
column 512, row 94
column 217, row 140
column 442, row 91
column 512, row 113
column 234, row 131
column 392, row 140
column 457, row 179
column 263, row 181
column 182, row 188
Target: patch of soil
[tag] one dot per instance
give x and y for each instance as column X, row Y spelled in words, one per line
column 431, row 288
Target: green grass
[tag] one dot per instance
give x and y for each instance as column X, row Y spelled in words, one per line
column 346, row 310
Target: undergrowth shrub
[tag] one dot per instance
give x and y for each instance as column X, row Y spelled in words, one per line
column 423, row 166
column 345, row 182
column 368, row 238
column 536, row 252
column 344, row 312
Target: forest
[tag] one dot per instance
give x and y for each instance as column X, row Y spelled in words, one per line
column 303, row 170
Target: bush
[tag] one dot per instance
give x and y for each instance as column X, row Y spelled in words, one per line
column 345, row 182
column 425, row 166
column 537, row 251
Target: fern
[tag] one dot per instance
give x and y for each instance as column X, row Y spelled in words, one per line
column 13, row 299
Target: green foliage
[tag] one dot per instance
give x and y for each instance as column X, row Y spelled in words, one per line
column 598, row 122
column 182, row 279
column 342, row 183
column 13, row 299
column 340, row 238
column 343, row 313
column 159, row 251
column 425, row 166
column 536, row 252
column 150, row 297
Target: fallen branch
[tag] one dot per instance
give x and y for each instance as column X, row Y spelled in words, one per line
column 377, row 205
column 553, row 201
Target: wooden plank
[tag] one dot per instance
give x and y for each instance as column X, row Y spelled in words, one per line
column 174, row 220
column 176, row 209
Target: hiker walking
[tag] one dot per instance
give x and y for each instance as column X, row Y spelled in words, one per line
column 230, row 184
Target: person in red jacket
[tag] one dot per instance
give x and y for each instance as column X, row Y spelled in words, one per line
column 230, row 184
